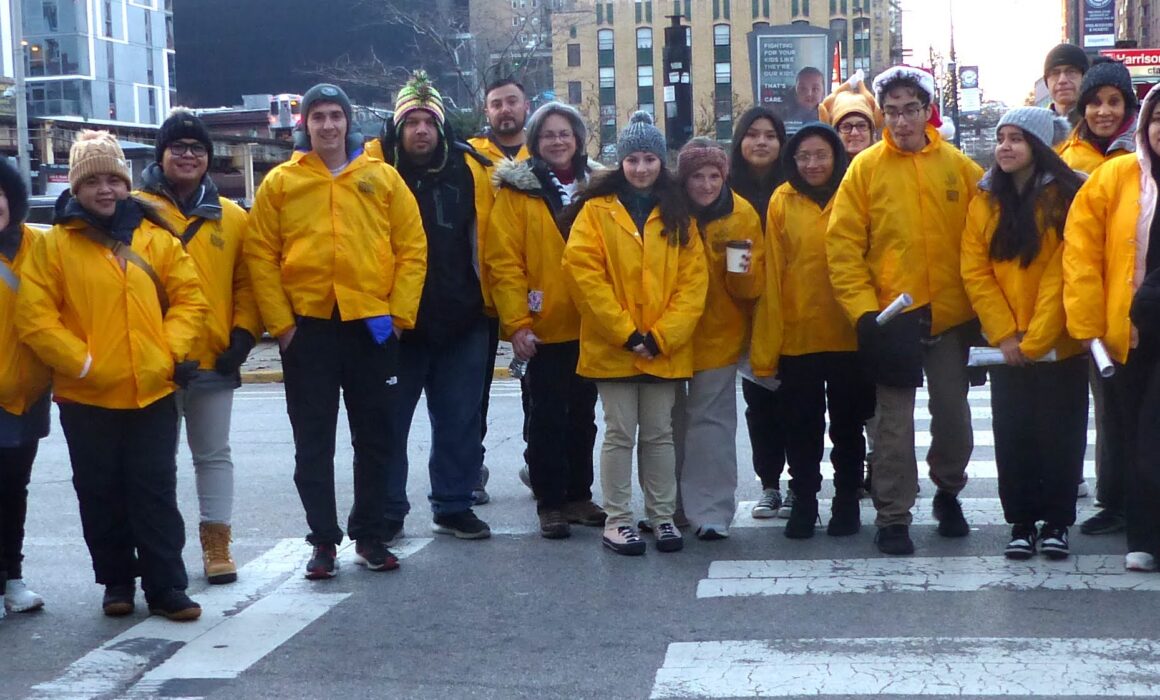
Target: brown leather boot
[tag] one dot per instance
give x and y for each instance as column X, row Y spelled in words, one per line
column 215, row 548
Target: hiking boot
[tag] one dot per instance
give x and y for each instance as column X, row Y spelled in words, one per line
column 623, row 539
column 1105, row 522
column 802, row 518
column 767, row 506
column 215, row 553
column 393, row 532
column 479, row 493
column 1053, row 541
column 585, row 513
column 894, row 539
column 174, row 605
column 949, row 513
column 18, row 598
column 118, row 600
column 786, row 508
column 322, row 564
column 1022, row 543
column 464, row 525
column 845, row 516
column 374, row 555
column 554, row 524
column 669, row 538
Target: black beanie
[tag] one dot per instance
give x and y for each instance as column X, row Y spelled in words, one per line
column 14, row 190
column 326, row 92
column 183, row 124
column 1106, row 72
column 1065, row 55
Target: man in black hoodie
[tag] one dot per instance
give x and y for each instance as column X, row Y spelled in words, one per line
column 444, row 354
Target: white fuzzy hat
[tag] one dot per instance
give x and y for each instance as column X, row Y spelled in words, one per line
column 923, row 78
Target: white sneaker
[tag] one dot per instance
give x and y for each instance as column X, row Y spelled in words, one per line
column 786, row 505
column 767, row 505
column 1135, row 561
column 18, row 598
column 1081, row 491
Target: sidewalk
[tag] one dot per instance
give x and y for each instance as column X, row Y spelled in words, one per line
column 264, row 365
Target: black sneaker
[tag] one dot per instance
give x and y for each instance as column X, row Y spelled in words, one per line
column 1105, row 522
column 322, row 565
column 845, row 516
column 802, row 518
column 1022, row 544
column 894, row 539
column 464, row 525
column 374, row 555
column 949, row 513
column 1053, row 541
column 669, row 538
column 118, row 600
column 174, row 605
column 393, row 534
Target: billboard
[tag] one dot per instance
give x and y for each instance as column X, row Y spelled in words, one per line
column 790, row 66
column 1099, row 23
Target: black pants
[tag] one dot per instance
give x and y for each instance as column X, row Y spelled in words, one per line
column 125, row 474
column 15, row 472
column 561, row 426
column 1134, row 393
column 489, row 374
column 1039, row 416
column 325, row 356
column 1111, row 462
column 766, row 434
column 811, row 385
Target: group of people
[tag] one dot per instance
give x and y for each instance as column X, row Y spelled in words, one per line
column 391, row 268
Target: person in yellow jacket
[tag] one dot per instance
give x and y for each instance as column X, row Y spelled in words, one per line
column 337, row 260
column 211, row 228
column 635, row 270
column 895, row 229
column 1012, row 265
column 819, row 367
column 111, row 302
column 1107, row 108
column 24, row 397
column 1109, row 248
column 524, row 255
column 705, row 417
column 853, row 113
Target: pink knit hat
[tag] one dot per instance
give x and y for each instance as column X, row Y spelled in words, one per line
column 698, row 153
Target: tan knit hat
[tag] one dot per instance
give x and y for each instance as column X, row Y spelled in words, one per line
column 94, row 153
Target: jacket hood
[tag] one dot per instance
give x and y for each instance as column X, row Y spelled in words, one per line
column 1142, row 147
column 521, row 174
column 205, row 203
column 821, row 195
column 16, row 194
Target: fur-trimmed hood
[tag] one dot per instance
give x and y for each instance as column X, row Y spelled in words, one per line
column 520, row 175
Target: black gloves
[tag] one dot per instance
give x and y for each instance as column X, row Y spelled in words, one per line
column 893, row 352
column 231, row 359
column 647, row 340
column 1145, row 311
column 184, row 372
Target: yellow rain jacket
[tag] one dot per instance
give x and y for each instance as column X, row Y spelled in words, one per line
column 495, row 154
column 896, row 227
column 624, row 282
column 77, row 302
column 726, row 324
column 1080, row 154
column 1011, row 299
column 315, row 240
column 23, row 377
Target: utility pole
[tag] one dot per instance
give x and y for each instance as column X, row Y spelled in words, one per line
column 22, row 164
column 954, row 71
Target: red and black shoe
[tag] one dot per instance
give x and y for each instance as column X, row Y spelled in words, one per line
column 322, row 565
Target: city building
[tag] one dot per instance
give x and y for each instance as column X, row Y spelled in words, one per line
column 607, row 56
column 513, row 38
column 1137, row 23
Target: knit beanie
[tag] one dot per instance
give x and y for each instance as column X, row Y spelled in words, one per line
column 418, row 93
column 698, row 153
column 640, row 135
column 325, row 92
column 1041, row 123
column 1065, row 55
column 183, row 124
column 1106, row 72
column 95, row 153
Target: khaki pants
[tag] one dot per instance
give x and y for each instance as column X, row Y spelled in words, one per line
column 895, row 466
column 630, row 407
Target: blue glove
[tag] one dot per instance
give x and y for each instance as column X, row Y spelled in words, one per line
column 381, row 328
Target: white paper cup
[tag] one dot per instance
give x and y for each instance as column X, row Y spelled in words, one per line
column 735, row 252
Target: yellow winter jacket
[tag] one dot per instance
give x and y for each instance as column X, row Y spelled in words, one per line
column 1010, row 299
column 726, row 324
column 76, row 302
column 624, row 282
column 315, row 240
column 525, row 251
column 23, row 377
column 1100, row 273
column 496, row 155
column 216, row 250
column 813, row 320
column 1080, row 154
column 896, row 227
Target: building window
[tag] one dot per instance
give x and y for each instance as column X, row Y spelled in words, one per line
column 600, row 13
column 608, row 11
column 765, row 8
column 107, row 15
column 572, row 32
column 716, row 9
column 644, row 38
column 805, row 8
column 689, row 10
column 573, row 55
column 575, row 93
column 604, row 40
column 862, row 44
column 838, row 32
column 721, row 42
column 727, row 12
column 607, row 77
column 795, row 8
column 722, row 73
column 644, row 76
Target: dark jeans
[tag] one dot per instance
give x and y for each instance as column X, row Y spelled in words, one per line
column 326, row 356
column 561, row 426
column 124, row 464
column 1111, row 462
column 811, row 384
column 488, row 376
column 766, row 434
column 1039, row 417
column 1134, row 393
column 451, row 374
column 15, row 472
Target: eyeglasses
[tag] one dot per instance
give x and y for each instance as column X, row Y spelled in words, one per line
column 851, row 127
column 910, row 112
column 807, row 158
column 549, row 136
column 178, row 148
column 1070, row 72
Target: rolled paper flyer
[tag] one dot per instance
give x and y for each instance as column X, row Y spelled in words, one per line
column 896, row 307
column 985, row 357
column 1103, row 359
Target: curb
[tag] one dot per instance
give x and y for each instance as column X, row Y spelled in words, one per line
column 274, row 376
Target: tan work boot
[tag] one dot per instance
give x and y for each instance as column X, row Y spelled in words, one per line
column 215, row 548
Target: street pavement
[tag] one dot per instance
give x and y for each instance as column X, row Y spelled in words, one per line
column 518, row 616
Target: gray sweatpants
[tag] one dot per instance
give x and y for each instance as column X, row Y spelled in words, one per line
column 206, row 413
column 705, row 432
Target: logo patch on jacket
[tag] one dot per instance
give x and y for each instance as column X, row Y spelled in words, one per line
column 217, row 241
column 366, row 187
column 952, row 195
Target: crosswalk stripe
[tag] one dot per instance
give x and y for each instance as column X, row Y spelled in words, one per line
column 980, row 512
column 910, row 666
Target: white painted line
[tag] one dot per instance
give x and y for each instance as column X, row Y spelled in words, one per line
column 1089, row 572
column 980, row 512
column 944, row 667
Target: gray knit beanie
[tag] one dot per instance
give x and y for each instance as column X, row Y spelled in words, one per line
column 640, row 135
column 1041, row 123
